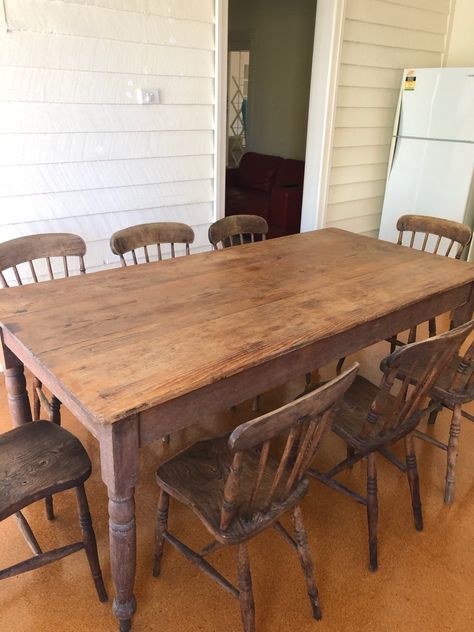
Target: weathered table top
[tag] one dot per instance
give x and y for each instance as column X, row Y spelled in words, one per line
column 124, row 340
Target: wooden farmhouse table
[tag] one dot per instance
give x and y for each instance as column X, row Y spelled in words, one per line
column 136, row 353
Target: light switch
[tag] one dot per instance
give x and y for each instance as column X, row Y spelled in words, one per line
column 148, row 96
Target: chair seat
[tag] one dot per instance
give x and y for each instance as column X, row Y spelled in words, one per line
column 37, row 460
column 441, row 391
column 197, row 476
column 351, row 418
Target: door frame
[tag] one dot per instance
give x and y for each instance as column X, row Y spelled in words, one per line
column 328, row 37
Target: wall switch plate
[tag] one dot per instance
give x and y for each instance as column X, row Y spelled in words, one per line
column 148, row 96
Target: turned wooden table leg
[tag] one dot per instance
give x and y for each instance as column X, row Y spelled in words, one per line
column 15, row 384
column 122, row 534
column 119, row 464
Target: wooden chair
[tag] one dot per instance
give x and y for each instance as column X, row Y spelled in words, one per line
column 453, row 390
column 429, row 234
column 232, row 230
column 145, row 235
column 237, row 486
column 17, row 258
column 35, row 258
column 37, row 460
column 372, row 418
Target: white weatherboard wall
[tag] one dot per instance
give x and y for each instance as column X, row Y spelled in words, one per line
column 461, row 41
column 380, row 38
column 77, row 153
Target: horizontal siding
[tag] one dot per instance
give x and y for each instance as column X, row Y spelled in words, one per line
column 388, row 56
column 393, row 36
column 108, row 201
column 365, row 117
column 354, row 208
column 47, row 118
column 356, row 191
column 87, row 20
column 404, row 16
column 41, row 50
column 368, row 155
column 77, row 87
column 199, row 10
column 358, row 173
column 438, row 6
column 367, row 97
column 77, row 152
column 39, row 179
column 370, row 76
column 362, row 136
column 380, row 39
column 71, row 147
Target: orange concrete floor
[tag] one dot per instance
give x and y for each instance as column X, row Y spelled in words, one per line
column 425, row 581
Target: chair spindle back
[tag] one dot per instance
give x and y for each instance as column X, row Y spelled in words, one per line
column 304, row 421
column 230, row 231
column 418, row 365
column 44, row 246
column 154, row 234
column 455, row 234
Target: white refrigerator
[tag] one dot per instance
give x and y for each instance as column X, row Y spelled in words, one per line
column 432, row 154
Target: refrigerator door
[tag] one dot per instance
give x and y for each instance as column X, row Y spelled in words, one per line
column 438, row 104
column 428, row 178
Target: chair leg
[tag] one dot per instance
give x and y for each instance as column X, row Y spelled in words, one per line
column 453, row 445
column 55, row 411
column 393, row 343
column 90, row 543
column 412, row 335
column 306, row 561
column 36, row 399
column 48, row 504
column 161, row 526
column 247, row 605
column 372, row 510
column 55, row 417
column 413, row 482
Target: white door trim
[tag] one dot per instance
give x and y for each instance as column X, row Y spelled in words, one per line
column 220, row 108
column 328, row 37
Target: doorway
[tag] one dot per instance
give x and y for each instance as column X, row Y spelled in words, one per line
column 324, row 74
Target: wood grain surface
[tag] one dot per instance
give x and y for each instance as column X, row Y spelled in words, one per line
column 121, row 341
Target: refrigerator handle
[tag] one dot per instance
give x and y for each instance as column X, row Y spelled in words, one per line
column 393, row 154
column 396, row 129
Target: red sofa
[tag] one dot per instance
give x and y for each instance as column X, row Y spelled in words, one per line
column 269, row 186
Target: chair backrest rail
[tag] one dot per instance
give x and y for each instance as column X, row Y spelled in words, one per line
column 303, row 422
column 41, row 247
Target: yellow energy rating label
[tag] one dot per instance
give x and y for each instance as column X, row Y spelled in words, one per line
column 410, row 80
